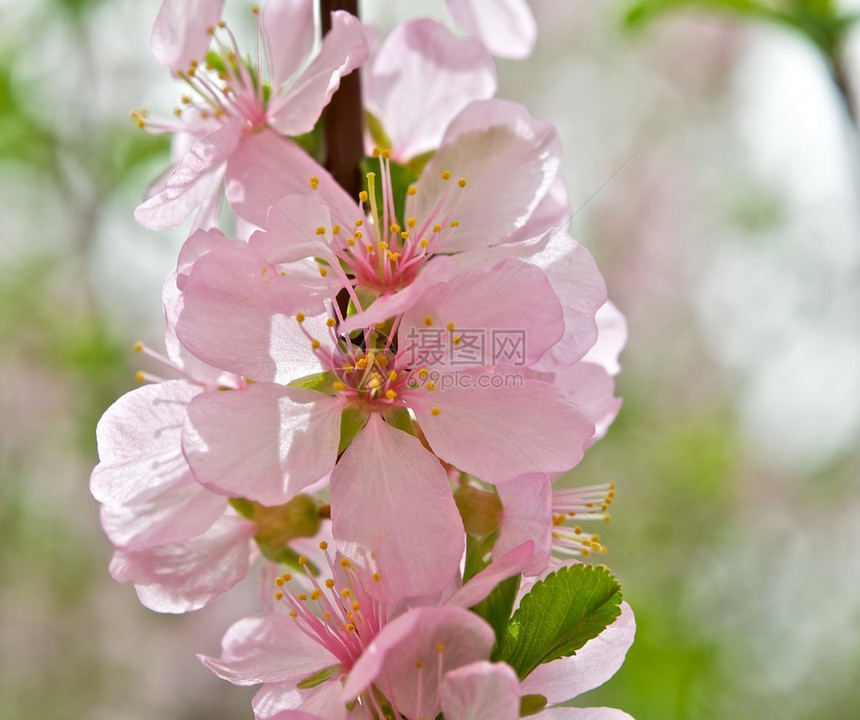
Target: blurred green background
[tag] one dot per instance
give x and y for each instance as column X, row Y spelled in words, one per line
column 714, row 174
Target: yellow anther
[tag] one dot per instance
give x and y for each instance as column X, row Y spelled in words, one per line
column 303, row 597
column 395, row 228
column 356, row 605
column 315, row 182
column 138, row 347
column 440, row 648
column 382, row 360
column 345, row 593
column 287, row 577
column 347, row 368
column 411, row 190
column 255, row 10
column 361, row 363
column 390, row 394
column 428, row 321
column 450, row 326
column 458, row 339
column 455, row 223
column 419, row 664
column 139, row 376
column 462, row 182
column 293, row 614
column 436, row 411
column 424, row 243
column 335, row 229
column 316, row 594
column 405, row 235
column 376, row 577
column 300, row 317
column 320, row 230
column 392, row 375
column 222, row 24
column 279, row 596
column 437, row 228
column 359, row 222
column 350, row 242
column 383, row 245
column 431, row 385
column 323, row 272
column 376, row 152
column 446, row 175
column 329, row 583
column 331, row 322
column 303, row 560
column 607, row 518
column 315, row 344
column 577, row 530
column 423, row 373
column 338, row 386
column 358, row 235
column 345, row 563
column 362, row 196
column 369, row 247
column 279, row 581
column 349, row 627
column 210, row 30
column 386, row 154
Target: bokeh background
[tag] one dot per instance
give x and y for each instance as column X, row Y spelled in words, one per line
column 715, row 175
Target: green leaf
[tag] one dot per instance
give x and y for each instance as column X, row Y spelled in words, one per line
column 558, row 616
column 377, row 131
column 497, row 606
column 399, row 418
column 474, row 558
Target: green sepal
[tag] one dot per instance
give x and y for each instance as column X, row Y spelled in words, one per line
column 480, row 509
column 318, row 678
column 531, row 705
column 417, row 164
column 351, row 421
column 321, row 382
column 365, row 297
column 402, row 177
column 399, row 418
column 242, row 506
column 288, row 557
column 215, row 61
column 558, row 616
column 313, row 142
column 377, row 132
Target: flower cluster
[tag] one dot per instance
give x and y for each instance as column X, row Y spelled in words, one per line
column 373, row 394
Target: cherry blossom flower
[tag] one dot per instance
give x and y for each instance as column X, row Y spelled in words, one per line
column 231, row 100
column 506, row 27
column 419, row 80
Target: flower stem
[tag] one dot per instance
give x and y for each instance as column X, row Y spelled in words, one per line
column 343, row 118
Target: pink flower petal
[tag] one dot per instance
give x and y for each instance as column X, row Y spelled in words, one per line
column 505, row 566
column 179, row 34
column 392, row 660
column 481, row 691
column 290, row 33
column 593, row 713
column 239, row 314
column 611, row 338
column 392, row 507
column 265, row 443
column 509, row 160
column 506, row 27
column 266, row 167
column 420, row 78
column 139, row 444
column 594, row 663
column 177, row 514
column 194, row 181
column 527, row 514
column 267, row 648
column 489, row 306
column 592, row 389
column 344, row 48
column 186, row 576
column 498, row 433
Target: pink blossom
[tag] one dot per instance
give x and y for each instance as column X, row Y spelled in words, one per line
column 419, row 80
column 329, row 645
column 506, row 27
column 230, row 101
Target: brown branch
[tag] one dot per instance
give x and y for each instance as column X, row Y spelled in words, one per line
column 343, row 118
